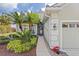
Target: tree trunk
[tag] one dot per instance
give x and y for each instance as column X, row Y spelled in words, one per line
column 30, row 25
column 20, row 26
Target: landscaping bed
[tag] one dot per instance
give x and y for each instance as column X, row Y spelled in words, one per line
column 5, row 52
column 19, row 44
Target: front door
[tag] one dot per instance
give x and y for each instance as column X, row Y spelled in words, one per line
column 40, row 28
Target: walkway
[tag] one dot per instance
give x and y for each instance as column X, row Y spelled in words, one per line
column 42, row 49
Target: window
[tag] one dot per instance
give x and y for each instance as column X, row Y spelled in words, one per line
column 77, row 25
column 64, row 25
column 71, row 25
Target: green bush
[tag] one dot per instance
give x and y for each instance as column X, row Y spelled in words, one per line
column 33, row 41
column 17, row 46
column 4, row 39
column 18, row 49
column 22, row 41
column 27, row 46
column 33, row 17
column 24, row 36
column 13, row 36
column 12, row 45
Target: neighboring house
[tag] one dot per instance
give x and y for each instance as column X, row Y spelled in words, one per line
column 25, row 26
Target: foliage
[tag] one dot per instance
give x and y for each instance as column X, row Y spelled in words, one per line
column 33, row 17
column 17, row 18
column 13, row 36
column 4, row 39
column 24, row 35
column 33, row 40
column 15, row 45
column 18, row 47
column 27, row 46
column 4, row 19
column 5, row 29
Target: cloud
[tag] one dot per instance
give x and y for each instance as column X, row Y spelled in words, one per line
column 7, row 5
column 43, row 9
column 34, row 7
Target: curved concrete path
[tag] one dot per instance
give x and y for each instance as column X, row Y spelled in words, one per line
column 42, row 49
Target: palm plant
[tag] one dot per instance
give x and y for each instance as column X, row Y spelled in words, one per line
column 25, row 35
column 17, row 18
column 33, row 18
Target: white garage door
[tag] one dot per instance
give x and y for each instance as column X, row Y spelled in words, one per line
column 70, row 35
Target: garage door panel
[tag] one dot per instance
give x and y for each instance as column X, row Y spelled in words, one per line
column 70, row 38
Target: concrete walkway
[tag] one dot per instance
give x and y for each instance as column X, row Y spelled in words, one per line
column 42, row 49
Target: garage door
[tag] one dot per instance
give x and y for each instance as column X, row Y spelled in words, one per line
column 70, row 35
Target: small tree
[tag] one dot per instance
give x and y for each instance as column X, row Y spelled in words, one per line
column 33, row 18
column 17, row 18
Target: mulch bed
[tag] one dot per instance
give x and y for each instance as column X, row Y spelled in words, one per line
column 5, row 52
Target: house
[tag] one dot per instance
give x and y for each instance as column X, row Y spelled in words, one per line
column 62, row 27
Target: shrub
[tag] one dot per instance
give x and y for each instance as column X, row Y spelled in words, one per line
column 3, row 37
column 27, row 46
column 24, row 35
column 13, row 36
column 5, row 29
column 17, row 46
column 33, row 41
column 22, row 41
column 4, row 40
column 18, row 49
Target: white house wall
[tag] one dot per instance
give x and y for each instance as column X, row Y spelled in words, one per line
column 52, row 34
column 69, row 12
column 46, row 31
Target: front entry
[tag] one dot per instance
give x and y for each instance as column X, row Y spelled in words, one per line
column 40, row 29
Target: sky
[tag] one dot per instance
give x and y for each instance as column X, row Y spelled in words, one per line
column 24, row 7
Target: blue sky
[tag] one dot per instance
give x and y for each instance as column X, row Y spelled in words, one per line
column 8, row 7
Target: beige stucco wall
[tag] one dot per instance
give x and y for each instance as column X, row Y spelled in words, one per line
column 69, row 12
